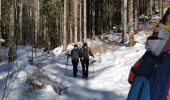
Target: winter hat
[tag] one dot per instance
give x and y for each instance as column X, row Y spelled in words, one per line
column 75, row 45
column 85, row 44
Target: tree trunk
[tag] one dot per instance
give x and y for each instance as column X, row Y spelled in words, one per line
column 168, row 2
column 131, row 24
column 70, row 11
column 85, row 20
column 96, row 23
column 0, row 32
column 80, row 21
column 75, row 21
column 12, row 51
column 65, row 28
column 45, row 28
column 37, row 10
column 161, row 8
column 20, row 21
column 46, row 36
column 136, row 24
column 124, row 19
column 0, row 25
column 61, row 25
column 71, row 33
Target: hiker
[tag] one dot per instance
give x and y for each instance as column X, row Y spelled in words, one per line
column 150, row 75
column 160, row 79
column 85, row 51
column 75, row 59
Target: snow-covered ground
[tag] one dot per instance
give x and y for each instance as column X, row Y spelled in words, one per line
column 108, row 82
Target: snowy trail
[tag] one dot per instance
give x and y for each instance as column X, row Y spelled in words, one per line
column 109, row 81
column 110, row 76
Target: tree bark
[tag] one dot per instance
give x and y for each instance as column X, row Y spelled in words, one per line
column 45, row 28
column 75, row 21
column 12, row 51
column 80, row 21
column 20, row 21
column 130, row 6
column 37, row 10
column 71, row 33
column 124, row 19
column 85, row 20
column 131, row 23
column 136, row 23
column 0, row 25
column 70, row 11
column 161, row 8
column 65, row 27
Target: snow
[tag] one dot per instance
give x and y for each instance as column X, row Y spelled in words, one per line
column 156, row 16
column 108, row 82
column 2, row 40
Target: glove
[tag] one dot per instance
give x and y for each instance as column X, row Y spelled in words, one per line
column 93, row 60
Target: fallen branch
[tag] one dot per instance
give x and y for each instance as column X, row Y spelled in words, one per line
column 37, row 84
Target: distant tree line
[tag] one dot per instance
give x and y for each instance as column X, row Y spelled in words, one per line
column 51, row 23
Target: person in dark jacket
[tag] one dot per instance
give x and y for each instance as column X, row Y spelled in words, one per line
column 85, row 51
column 75, row 59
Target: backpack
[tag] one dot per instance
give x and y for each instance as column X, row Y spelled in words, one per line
column 75, row 54
column 85, row 53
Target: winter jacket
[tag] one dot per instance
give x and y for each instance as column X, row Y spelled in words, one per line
column 85, row 52
column 159, row 75
column 160, row 79
column 168, row 96
column 75, row 54
column 143, row 67
column 140, row 89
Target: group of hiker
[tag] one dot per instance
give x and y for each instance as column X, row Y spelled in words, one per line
column 150, row 75
column 81, row 54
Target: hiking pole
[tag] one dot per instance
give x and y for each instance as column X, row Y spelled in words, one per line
column 93, row 70
column 79, row 65
column 67, row 64
column 93, row 66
